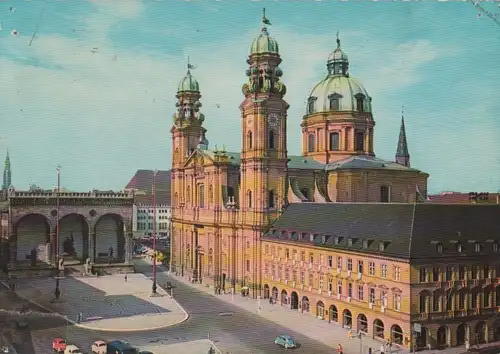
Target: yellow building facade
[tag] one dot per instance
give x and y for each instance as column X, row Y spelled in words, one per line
column 224, row 201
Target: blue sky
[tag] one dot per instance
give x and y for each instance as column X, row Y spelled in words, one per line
column 103, row 115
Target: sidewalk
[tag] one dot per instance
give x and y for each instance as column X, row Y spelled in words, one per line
column 193, row 347
column 107, row 303
column 330, row 334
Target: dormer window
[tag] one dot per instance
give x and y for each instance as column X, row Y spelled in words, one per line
column 335, row 104
column 293, row 236
column 336, row 240
column 477, row 247
column 349, row 242
column 302, row 235
column 360, row 103
column 323, row 239
column 439, row 248
column 495, row 246
column 381, row 246
column 310, row 106
column 311, row 238
column 365, row 244
column 459, row 247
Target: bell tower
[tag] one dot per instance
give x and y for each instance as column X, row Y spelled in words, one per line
column 7, row 173
column 264, row 119
column 187, row 130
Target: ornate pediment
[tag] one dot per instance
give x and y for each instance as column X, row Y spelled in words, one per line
column 198, row 160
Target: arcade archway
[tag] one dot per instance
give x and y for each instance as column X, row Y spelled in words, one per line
column 443, row 337
column 334, row 313
column 481, row 332
column 461, row 333
column 347, row 318
column 109, row 245
column 378, row 328
column 294, row 301
column 275, row 293
column 396, row 334
column 320, row 309
column 284, row 297
column 74, row 237
column 267, row 292
column 32, row 236
column 362, row 323
column 305, row 304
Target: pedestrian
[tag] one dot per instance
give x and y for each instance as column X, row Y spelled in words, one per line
column 126, row 278
column 78, row 320
column 340, row 350
column 467, row 345
column 382, row 349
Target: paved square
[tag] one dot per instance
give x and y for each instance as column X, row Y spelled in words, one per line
column 105, row 302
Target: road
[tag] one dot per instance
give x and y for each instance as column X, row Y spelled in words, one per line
column 241, row 332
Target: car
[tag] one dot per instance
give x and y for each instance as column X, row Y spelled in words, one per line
column 145, row 352
column 58, row 345
column 72, row 349
column 99, row 347
column 285, row 341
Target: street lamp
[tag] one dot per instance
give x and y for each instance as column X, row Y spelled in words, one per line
column 57, row 292
column 154, row 231
column 181, row 205
column 231, row 205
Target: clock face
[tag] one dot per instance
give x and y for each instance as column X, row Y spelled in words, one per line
column 273, row 119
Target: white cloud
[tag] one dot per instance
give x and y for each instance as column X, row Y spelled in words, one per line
column 108, row 104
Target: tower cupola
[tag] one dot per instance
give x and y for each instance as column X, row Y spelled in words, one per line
column 338, row 62
column 264, row 43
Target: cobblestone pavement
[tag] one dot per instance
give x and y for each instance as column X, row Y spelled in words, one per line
column 194, row 347
column 104, row 302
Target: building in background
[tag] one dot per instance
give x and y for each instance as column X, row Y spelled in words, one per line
column 142, row 187
column 7, row 174
column 382, row 268
column 464, row 198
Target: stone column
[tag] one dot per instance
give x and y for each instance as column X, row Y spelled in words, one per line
column 13, row 248
column 128, row 247
column 91, row 246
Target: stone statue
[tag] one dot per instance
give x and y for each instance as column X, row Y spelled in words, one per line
column 61, row 263
column 33, row 257
column 87, row 267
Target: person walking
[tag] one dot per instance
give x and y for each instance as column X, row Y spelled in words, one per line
column 340, row 350
column 467, row 345
column 382, row 349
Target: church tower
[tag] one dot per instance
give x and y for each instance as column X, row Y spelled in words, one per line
column 187, row 131
column 264, row 118
column 402, row 154
column 7, row 173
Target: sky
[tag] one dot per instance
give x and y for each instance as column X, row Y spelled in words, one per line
column 95, row 90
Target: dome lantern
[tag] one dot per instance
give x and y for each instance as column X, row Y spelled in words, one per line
column 338, row 62
column 264, row 43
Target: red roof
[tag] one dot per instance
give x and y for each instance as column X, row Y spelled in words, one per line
column 161, row 199
column 458, row 198
column 143, row 181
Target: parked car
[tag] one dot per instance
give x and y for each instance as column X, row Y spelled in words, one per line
column 99, row 347
column 72, row 349
column 285, row 341
column 120, row 347
column 58, row 345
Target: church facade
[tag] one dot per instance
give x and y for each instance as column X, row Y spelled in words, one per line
column 223, row 202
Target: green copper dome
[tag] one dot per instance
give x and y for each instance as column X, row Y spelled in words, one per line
column 264, row 44
column 188, row 83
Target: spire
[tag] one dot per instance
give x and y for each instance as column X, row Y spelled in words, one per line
column 338, row 40
column 7, row 173
column 265, row 20
column 402, row 154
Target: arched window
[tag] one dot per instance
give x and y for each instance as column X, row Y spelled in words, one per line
column 334, row 141
column 360, row 104
column 334, row 104
column 176, row 199
column 261, row 82
column 271, row 139
column 305, row 192
column 271, row 199
column 310, row 143
column 249, row 199
column 360, row 141
column 249, row 140
column 310, row 107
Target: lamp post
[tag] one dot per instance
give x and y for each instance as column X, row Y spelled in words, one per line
column 154, row 231
column 181, row 205
column 57, row 292
column 231, row 205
